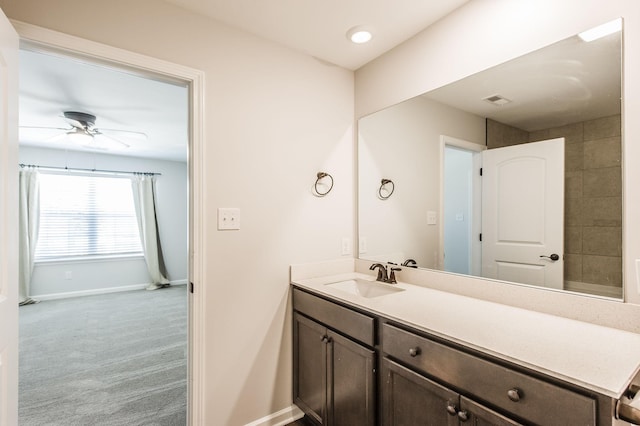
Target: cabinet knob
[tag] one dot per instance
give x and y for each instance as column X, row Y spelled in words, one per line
column 514, row 394
column 452, row 410
column 414, row 352
column 463, row 415
column 324, row 339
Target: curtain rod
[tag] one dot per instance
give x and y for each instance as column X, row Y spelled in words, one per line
column 76, row 169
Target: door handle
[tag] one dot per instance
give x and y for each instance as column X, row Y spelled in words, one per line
column 553, row 257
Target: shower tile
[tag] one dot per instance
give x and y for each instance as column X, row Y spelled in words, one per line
column 573, row 267
column 604, row 270
column 602, row 127
column 539, row 135
column 602, row 153
column 602, row 240
column 572, row 133
column 573, row 239
column 602, row 211
column 573, row 211
column 573, row 184
column 605, row 182
column 573, row 157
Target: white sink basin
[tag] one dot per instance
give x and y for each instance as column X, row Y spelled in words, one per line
column 364, row 288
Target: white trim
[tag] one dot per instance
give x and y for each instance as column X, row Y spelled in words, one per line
column 280, row 418
column 106, row 290
column 137, row 63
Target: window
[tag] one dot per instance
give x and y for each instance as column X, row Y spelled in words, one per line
column 83, row 215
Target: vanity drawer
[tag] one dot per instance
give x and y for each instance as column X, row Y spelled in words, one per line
column 354, row 324
column 527, row 397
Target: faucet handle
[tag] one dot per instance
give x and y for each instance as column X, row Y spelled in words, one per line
column 392, row 276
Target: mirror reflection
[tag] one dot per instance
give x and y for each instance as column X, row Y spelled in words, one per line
column 545, row 129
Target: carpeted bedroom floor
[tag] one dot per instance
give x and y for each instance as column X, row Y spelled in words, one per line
column 113, row 359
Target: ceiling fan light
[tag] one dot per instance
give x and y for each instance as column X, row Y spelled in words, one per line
column 79, row 137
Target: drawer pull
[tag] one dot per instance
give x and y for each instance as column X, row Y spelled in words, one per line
column 414, row 352
column 514, row 394
column 452, row 410
column 463, row 415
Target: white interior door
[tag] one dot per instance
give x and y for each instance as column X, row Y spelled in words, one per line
column 523, row 213
column 8, row 223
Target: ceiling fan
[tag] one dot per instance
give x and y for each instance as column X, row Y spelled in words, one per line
column 83, row 131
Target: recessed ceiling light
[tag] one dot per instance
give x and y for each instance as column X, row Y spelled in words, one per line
column 359, row 34
column 601, row 30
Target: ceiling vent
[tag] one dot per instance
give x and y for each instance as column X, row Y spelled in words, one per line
column 497, row 100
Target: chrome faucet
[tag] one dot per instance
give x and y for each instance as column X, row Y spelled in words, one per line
column 382, row 273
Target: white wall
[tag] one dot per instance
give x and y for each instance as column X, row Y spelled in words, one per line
column 172, row 202
column 402, row 143
column 485, row 33
column 274, row 118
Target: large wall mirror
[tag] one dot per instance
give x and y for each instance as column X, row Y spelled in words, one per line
column 545, row 129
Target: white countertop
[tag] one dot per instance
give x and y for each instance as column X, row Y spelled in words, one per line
column 594, row 357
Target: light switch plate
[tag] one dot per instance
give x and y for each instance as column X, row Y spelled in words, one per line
column 431, row 218
column 362, row 245
column 228, row 219
column 346, row 246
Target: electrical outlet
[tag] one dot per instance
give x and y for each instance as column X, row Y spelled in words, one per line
column 228, row 219
column 346, row 246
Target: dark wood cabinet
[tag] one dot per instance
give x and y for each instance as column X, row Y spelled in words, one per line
column 334, row 376
column 412, row 399
column 423, row 380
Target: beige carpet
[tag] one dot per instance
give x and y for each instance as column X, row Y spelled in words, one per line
column 114, row 359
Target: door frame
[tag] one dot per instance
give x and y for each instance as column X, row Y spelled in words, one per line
column 476, row 246
column 146, row 66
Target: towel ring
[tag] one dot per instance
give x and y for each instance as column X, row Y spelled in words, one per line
column 322, row 175
column 383, row 187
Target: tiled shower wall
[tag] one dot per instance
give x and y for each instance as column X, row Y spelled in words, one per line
column 593, row 198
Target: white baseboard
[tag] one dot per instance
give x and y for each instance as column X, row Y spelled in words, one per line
column 280, row 418
column 54, row 296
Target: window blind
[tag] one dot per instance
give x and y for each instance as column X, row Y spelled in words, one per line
column 83, row 215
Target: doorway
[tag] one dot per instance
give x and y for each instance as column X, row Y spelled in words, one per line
column 193, row 79
column 461, row 209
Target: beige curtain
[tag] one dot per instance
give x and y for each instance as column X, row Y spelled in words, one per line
column 29, row 212
column 144, row 194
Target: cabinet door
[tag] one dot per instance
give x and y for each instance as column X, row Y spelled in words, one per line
column 411, row 399
column 351, row 383
column 310, row 367
column 472, row 413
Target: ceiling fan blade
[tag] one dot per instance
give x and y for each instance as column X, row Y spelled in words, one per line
column 46, row 128
column 123, row 133
column 102, row 139
column 56, row 138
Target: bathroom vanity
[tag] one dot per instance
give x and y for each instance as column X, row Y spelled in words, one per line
column 365, row 354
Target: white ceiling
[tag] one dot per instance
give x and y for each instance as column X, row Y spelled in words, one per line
column 50, row 84
column 319, row 27
column 566, row 82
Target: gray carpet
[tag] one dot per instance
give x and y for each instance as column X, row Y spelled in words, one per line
column 114, row 359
